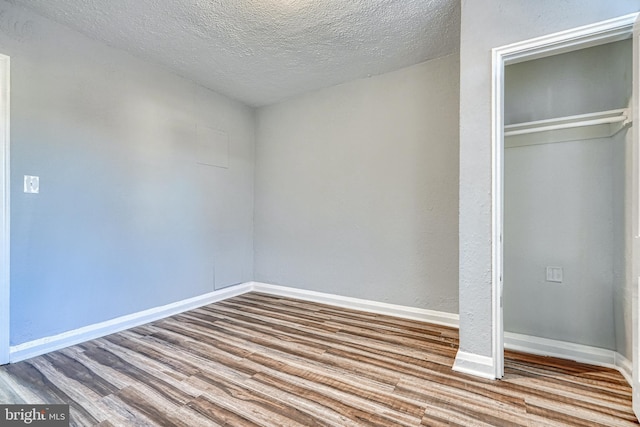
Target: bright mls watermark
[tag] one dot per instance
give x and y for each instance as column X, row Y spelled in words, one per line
column 34, row 415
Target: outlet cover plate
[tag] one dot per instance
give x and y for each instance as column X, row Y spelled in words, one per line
column 31, row 184
column 555, row 274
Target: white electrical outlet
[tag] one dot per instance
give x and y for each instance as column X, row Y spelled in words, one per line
column 31, row 184
column 554, row 274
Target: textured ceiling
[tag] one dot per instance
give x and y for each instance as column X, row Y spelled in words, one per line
column 262, row 51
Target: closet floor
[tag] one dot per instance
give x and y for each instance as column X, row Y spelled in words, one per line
column 259, row 360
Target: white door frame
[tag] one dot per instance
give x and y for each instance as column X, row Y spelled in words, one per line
column 634, row 269
column 577, row 38
column 5, row 90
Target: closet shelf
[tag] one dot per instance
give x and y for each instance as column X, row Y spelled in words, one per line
column 571, row 128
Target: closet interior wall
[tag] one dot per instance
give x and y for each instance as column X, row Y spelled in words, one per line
column 564, row 203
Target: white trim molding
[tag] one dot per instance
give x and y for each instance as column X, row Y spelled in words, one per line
column 86, row 333
column 565, row 350
column 609, row 31
column 406, row 312
column 625, row 366
column 562, row 349
column 468, row 363
column 474, row 364
column 47, row 344
column 5, row 286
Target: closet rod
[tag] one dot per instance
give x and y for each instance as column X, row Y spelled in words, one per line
column 614, row 116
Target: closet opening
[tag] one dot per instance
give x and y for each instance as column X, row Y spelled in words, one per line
column 567, row 148
column 556, row 120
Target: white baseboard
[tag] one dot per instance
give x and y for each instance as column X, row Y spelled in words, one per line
column 86, row 333
column 566, row 350
column 561, row 349
column 97, row 330
column 431, row 316
column 625, row 366
column 469, row 363
column 474, row 364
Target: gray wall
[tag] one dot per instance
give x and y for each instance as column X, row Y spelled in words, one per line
column 559, row 211
column 126, row 219
column 578, row 82
column 564, row 202
column 622, row 263
column 486, row 25
column 356, row 189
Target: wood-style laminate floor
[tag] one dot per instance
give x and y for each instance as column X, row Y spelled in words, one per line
column 259, row 360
